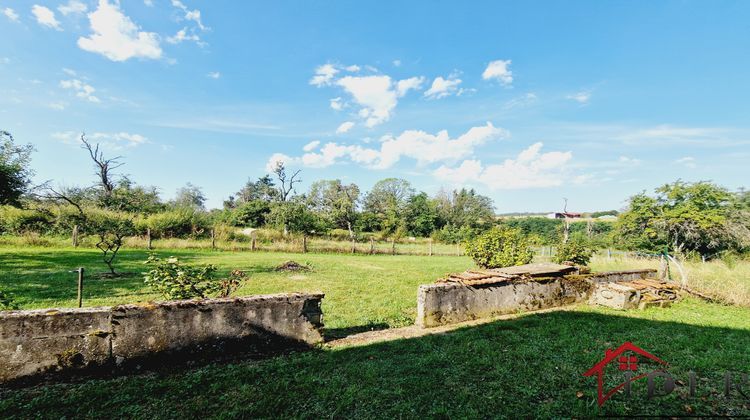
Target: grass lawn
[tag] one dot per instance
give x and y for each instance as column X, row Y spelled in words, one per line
column 362, row 291
column 530, row 366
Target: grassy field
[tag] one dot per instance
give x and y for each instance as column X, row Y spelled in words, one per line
column 526, row 367
column 362, row 291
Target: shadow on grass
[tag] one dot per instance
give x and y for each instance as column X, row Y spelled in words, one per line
column 526, row 367
column 330, row 334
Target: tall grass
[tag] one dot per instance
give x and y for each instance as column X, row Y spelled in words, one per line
column 728, row 281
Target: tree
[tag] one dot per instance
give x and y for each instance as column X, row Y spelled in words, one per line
column 263, row 189
column 286, row 182
column 421, row 215
column 685, row 217
column 111, row 228
column 126, row 196
column 190, row 196
column 293, row 216
column 15, row 174
column 388, row 200
column 252, row 214
column 104, row 168
column 336, row 202
column 465, row 208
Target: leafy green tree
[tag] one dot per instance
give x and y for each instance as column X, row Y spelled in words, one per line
column 685, row 217
column 576, row 250
column 421, row 215
column 465, row 208
column 190, row 196
column 294, row 216
column 15, row 174
column 388, row 200
column 263, row 189
column 126, row 196
column 251, row 214
column 336, row 202
column 500, row 247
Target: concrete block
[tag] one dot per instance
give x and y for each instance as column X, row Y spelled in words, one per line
column 616, row 296
column 42, row 341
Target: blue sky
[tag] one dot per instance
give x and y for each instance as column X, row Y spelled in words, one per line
column 527, row 102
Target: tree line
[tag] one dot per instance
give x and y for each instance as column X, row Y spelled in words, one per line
column 700, row 218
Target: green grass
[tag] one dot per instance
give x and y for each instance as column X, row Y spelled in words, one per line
column 361, row 290
column 520, row 368
column 525, row 367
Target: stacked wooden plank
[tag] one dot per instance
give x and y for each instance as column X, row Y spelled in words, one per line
column 525, row 272
column 654, row 292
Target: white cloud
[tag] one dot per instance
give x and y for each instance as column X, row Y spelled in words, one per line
column 530, row 169
column 324, row 75
column 443, row 87
column 116, row 37
column 337, row 104
column 397, row 63
column 193, row 15
column 81, row 89
column 69, row 72
column 149, row 3
column 521, row 101
column 278, row 157
column 500, row 71
column 344, row 127
column 309, row 147
column 183, row 35
column 583, row 97
column 45, row 17
column 412, row 83
column 10, row 14
column 115, row 141
column 72, row 7
column 377, row 95
column 629, row 161
column 213, row 75
column 423, row 147
column 687, row 161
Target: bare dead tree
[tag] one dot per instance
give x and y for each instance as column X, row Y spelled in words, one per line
column 286, row 182
column 104, row 167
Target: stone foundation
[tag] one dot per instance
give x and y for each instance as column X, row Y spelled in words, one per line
column 447, row 303
column 61, row 340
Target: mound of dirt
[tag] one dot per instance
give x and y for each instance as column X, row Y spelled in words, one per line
column 292, row 266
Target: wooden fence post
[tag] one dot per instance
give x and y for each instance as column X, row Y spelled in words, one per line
column 430, row 252
column 75, row 236
column 148, row 238
column 252, row 241
column 80, row 287
column 372, row 245
column 304, row 243
column 354, row 246
column 393, row 246
column 213, row 239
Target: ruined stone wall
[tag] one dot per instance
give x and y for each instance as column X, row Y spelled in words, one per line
column 447, row 303
column 45, row 341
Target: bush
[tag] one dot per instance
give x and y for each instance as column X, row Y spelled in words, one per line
column 178, row 223
column 175, row 280
column 15, row 220
column 500, row 247
column 576, row 250
column 7, row 301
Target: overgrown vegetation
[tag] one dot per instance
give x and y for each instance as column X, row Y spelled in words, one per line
column 176, row 280
column 575, row 250
column 500, row 247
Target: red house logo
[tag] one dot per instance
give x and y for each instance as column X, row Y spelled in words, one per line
column 625, row 358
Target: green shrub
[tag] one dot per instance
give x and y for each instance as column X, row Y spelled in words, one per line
column 176, row 280
column 7, row 301
column 500, row 247
column 178, row 223
column 15, row 220
column 576, row 250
